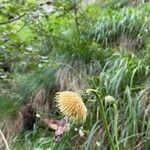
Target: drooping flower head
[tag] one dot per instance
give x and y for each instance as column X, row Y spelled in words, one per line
column 71, row 105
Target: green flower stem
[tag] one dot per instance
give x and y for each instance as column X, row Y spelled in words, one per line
column 115, row 125
column 103, row 115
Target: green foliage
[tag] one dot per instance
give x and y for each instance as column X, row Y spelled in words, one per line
column 8, row 106
column 131, row 22
column 106, row 46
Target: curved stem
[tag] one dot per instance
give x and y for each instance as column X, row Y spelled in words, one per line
column 104, row 119
column 4, row 139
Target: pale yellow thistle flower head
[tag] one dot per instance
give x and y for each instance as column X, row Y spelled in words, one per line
column 71, row 105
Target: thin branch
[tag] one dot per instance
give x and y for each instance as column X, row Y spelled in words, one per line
column 4, row 139
column 12, row 20
column 76, row 17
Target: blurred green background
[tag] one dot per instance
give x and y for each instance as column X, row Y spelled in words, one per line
column 50, row 46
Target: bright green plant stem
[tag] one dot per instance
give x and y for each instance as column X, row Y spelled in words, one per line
column 115, row 124
column 103, row 115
